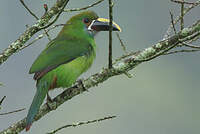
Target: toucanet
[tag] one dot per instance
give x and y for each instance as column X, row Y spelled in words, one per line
column 66, row 57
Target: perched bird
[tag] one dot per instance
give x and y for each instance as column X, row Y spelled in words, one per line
column 66, row 57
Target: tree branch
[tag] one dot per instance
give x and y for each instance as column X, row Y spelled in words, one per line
column 40, row 36
column 182, row 51
column 186, row 10
column 83, row 8
column 184, row 2
column 15, row 111
column 22, row 1
column 39, row 25
column 121, row 43
column 82, row 123
column 125, row 64
column 110, row 34
column 182, row 15
column 1, row 101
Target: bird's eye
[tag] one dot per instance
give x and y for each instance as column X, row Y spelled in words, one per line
column 86, row 20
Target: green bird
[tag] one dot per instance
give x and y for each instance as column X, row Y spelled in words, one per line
column 66, row 57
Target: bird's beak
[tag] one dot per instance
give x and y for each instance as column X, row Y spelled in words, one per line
column 102, row 24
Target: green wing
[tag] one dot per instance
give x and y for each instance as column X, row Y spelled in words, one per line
column 60, row 51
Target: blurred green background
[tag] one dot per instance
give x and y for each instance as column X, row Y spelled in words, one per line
column 161, row 98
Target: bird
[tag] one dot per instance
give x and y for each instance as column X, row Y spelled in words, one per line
column 66, row 57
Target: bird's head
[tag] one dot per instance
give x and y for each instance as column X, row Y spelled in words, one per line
column 90, row 22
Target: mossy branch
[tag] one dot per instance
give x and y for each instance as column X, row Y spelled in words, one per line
column 38, row 26
column 121, row 66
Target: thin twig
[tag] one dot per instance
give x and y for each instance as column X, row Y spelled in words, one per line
column 179, row 17
column 191, row 46
column 15, row 46
column 182, row 15
column 2, row 100
column 182, row 51
column 26, row 7
column 121, row 42
column 82, row 123
column 83, row 8
column 41, row 36
column 191, row 37
column 22, row 1
column 187, row 43
column 33, row 41
column 194, row 39
column 184, row 2
column 47, row 34
column 59, row 13
column 15, row 111
column 119, row 68
column 110, row 34
column 167, row 49
column 172, row 21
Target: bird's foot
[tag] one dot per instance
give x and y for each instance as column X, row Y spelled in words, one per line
column 49, row 100
column 80, row 82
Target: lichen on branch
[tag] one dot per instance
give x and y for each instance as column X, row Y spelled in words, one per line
column 23, row 38
column 121, row 66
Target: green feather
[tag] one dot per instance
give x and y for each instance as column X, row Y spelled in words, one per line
column 60, row 51
column 65, row 58
column 42, row 89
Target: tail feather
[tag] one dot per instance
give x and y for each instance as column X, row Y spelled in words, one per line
column 28, row 127
column 42, row 89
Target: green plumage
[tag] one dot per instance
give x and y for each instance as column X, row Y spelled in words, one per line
column 73, row 41
column 65, row 58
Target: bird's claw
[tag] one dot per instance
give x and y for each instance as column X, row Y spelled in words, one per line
column 80, row 82
column 49, row 100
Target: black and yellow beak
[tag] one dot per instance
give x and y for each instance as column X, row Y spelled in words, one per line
column 102, row 24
